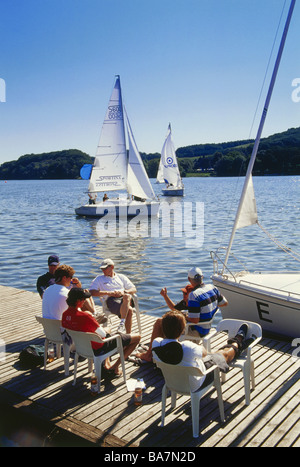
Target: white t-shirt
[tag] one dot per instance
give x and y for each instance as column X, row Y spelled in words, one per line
column 192, row 356
column 118, row 282
column 54, row 301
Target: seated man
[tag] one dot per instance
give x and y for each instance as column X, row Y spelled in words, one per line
column 202, row 302
column 47, row 279
column 170, row 350
column 54, row 298
column 117, row 290
column 76, row 319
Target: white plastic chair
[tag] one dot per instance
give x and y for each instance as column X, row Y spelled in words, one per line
column 197, row 339
column 52, row 330
column 136, row 310
column 177, row 380
column 82, row 341
column 245, row 361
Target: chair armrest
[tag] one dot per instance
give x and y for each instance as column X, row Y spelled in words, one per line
column 136, row 303
column 208, row 338
column 210, row 370
column 249, row 349
column 107, row 339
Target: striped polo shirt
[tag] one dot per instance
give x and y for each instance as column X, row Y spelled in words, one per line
column 203, row 304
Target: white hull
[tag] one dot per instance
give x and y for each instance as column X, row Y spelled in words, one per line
column 272, row 300
column 119, row 208
column 172, row 191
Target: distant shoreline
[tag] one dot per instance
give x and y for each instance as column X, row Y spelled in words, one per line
column 278, row 154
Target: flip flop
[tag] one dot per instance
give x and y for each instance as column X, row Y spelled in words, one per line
column 137, row 361
column 143, row 347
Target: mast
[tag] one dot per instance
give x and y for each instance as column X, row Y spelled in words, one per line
column 260, row 129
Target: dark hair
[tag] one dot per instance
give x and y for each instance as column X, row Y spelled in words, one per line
column 71, row 301
column 63, row 271
column 173, row 324
column 75, row 294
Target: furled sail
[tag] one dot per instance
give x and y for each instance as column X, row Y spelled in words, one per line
column 110, row 167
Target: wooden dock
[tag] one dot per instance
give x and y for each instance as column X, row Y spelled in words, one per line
column 60, row 413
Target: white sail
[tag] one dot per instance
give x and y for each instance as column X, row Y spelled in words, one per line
column 171, row 172
column 248, row 214
column 160, row 176
column 110, row 167
column 138, row 183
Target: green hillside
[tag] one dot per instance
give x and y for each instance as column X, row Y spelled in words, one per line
column 53, row 165
column 278, row 154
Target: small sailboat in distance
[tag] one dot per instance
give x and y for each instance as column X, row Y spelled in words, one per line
column 168, row 170
column 270, row 298
column 117, row 169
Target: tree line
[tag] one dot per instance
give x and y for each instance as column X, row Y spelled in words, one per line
column 278, row 154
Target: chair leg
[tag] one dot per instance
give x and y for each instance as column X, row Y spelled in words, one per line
column 163, row 404
column 46, row 353
column 123, row 366
column 121, row 354
column 98, row 368
column 137, row 314
column 75, row 368
column 195, row 402
column 218, row 387
column 66, row 350
column 252, row 374
column 173, row 399
column 246, row 371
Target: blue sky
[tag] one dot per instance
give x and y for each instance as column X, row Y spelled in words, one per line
column 198, row 64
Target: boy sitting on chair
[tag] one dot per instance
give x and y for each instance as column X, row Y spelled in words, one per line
column 170, row 350
column 77, row 320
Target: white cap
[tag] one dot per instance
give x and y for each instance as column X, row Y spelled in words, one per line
column 106, row 262
column 195, row 273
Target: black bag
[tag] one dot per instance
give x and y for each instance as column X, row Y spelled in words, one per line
column 32, row 356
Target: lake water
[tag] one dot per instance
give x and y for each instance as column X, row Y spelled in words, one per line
column 38, row 219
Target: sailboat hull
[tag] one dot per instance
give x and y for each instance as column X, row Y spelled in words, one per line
column 272, row 300
column 173, row 192
column 119, row 209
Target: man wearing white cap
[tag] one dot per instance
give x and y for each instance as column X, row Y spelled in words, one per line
column 202, row 302
column 117, row 290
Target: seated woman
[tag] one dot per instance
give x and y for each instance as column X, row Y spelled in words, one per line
column 77, row 320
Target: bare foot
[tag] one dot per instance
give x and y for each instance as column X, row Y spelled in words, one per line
column 144, row 356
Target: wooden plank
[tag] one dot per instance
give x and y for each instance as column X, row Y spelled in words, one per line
column 112, row 419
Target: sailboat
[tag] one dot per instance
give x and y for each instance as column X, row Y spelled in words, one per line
column 168, row 170
column 117, row 170
column 271, row 299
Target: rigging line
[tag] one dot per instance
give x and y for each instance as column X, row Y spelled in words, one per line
column 255, row 113
column 267, row 69
column 285, row 248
